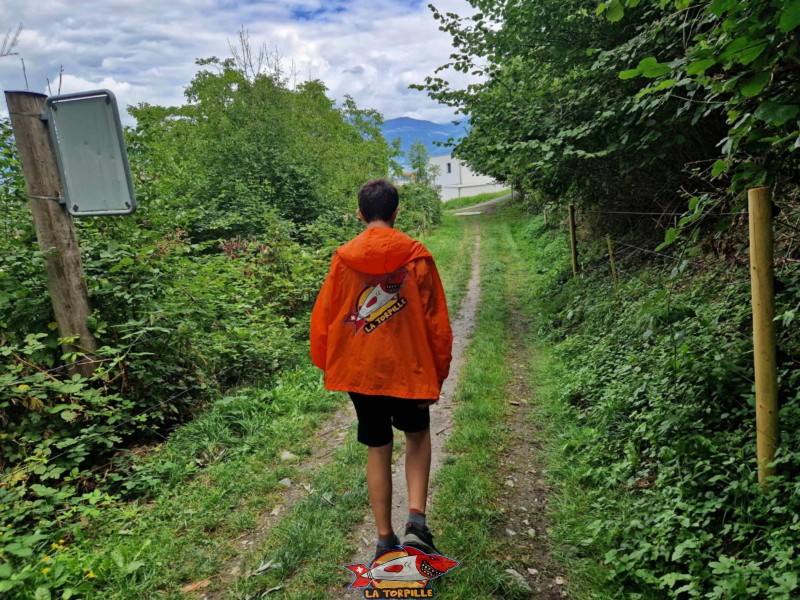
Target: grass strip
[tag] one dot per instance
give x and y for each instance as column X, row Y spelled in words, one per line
column 310, row 545
column 457, row 203
column 451, row 246
column 544, row 256
column 465, row 511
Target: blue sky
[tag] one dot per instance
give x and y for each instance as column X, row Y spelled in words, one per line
column 144, row 50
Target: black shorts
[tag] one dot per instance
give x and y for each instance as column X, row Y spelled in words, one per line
column 377, row 414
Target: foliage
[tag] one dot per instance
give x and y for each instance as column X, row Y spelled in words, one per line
column 244, row 192
column 244, row 149
column 419, row 159
column 645, row 100
column 420, row 208
column 655, row 435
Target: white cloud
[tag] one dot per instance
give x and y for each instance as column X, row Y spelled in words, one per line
column 145, row 50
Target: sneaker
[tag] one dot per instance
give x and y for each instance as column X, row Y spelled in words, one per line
column 380, row 548
column 419, row 538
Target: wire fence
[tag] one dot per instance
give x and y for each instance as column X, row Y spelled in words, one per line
column 762, row 337
column 87, row 360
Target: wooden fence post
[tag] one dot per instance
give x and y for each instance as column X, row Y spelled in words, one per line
column 55, row 230
column 761, row 278
column 611, row 260
column 573, row 240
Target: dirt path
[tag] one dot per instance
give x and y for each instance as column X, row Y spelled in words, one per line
column 525, row 493
column 441, row 423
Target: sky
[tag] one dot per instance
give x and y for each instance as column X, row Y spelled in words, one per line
column 145, row 50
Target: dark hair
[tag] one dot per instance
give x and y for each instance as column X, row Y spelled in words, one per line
column 377, row 200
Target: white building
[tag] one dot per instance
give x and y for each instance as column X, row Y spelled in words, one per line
column 457, row 181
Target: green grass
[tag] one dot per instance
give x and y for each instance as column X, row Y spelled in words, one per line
column 205, row 487
column 457, row 203
column 451, row 245
column 464, row 509
column 544, row 256
column 314, row 540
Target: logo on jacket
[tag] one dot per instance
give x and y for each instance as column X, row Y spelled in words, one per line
column 402, row 572
column 378, row 302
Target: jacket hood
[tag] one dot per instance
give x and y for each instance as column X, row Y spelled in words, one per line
column 380, row 250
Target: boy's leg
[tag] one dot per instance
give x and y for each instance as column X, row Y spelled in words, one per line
column 379, row 485
column 418, row 468
column 375, row 431
column 413, row 418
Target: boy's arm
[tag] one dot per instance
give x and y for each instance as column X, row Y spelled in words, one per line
column 437, row 320
column 320, row 318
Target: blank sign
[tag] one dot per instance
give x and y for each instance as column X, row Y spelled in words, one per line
column 90, row 149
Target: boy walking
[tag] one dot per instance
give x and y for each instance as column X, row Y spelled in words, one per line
column 381, row 332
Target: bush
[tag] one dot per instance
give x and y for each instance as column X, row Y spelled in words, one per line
column 658, row 385
column 420, row 208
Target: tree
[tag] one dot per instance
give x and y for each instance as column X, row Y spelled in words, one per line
column 630, row 105
column 424, row 172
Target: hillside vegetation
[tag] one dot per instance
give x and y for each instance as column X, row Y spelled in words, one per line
column 244, row 190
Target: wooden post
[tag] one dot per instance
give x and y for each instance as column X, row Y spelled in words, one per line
column 573, row 240
column 611, row 260
column 55, row 231
column 544, row 211
column 761, row 278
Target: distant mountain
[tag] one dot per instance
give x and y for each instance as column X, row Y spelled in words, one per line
column 411, row 131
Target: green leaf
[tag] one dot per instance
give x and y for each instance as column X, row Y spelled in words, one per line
column 69, row 415
column 667, row 83
column 755, row 85
column 775, row 112
column 18, row 550
column 719, row 167
column 615, row 11
column 70, row 388
column 41, row 593
column 629, row 74
column 669, row 237
column 790, row 17
column 133, row 567
column 670, row 579
column 720, row 7
column 700, row 66
column 744, row 50
column 601, row 8
column 7, row 585
column 651, row 68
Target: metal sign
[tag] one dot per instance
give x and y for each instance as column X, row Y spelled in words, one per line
column 90, row 151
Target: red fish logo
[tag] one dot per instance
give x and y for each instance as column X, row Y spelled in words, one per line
column 402, row 567
column 378, row 302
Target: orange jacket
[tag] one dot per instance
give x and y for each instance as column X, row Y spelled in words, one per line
column 380, row 324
